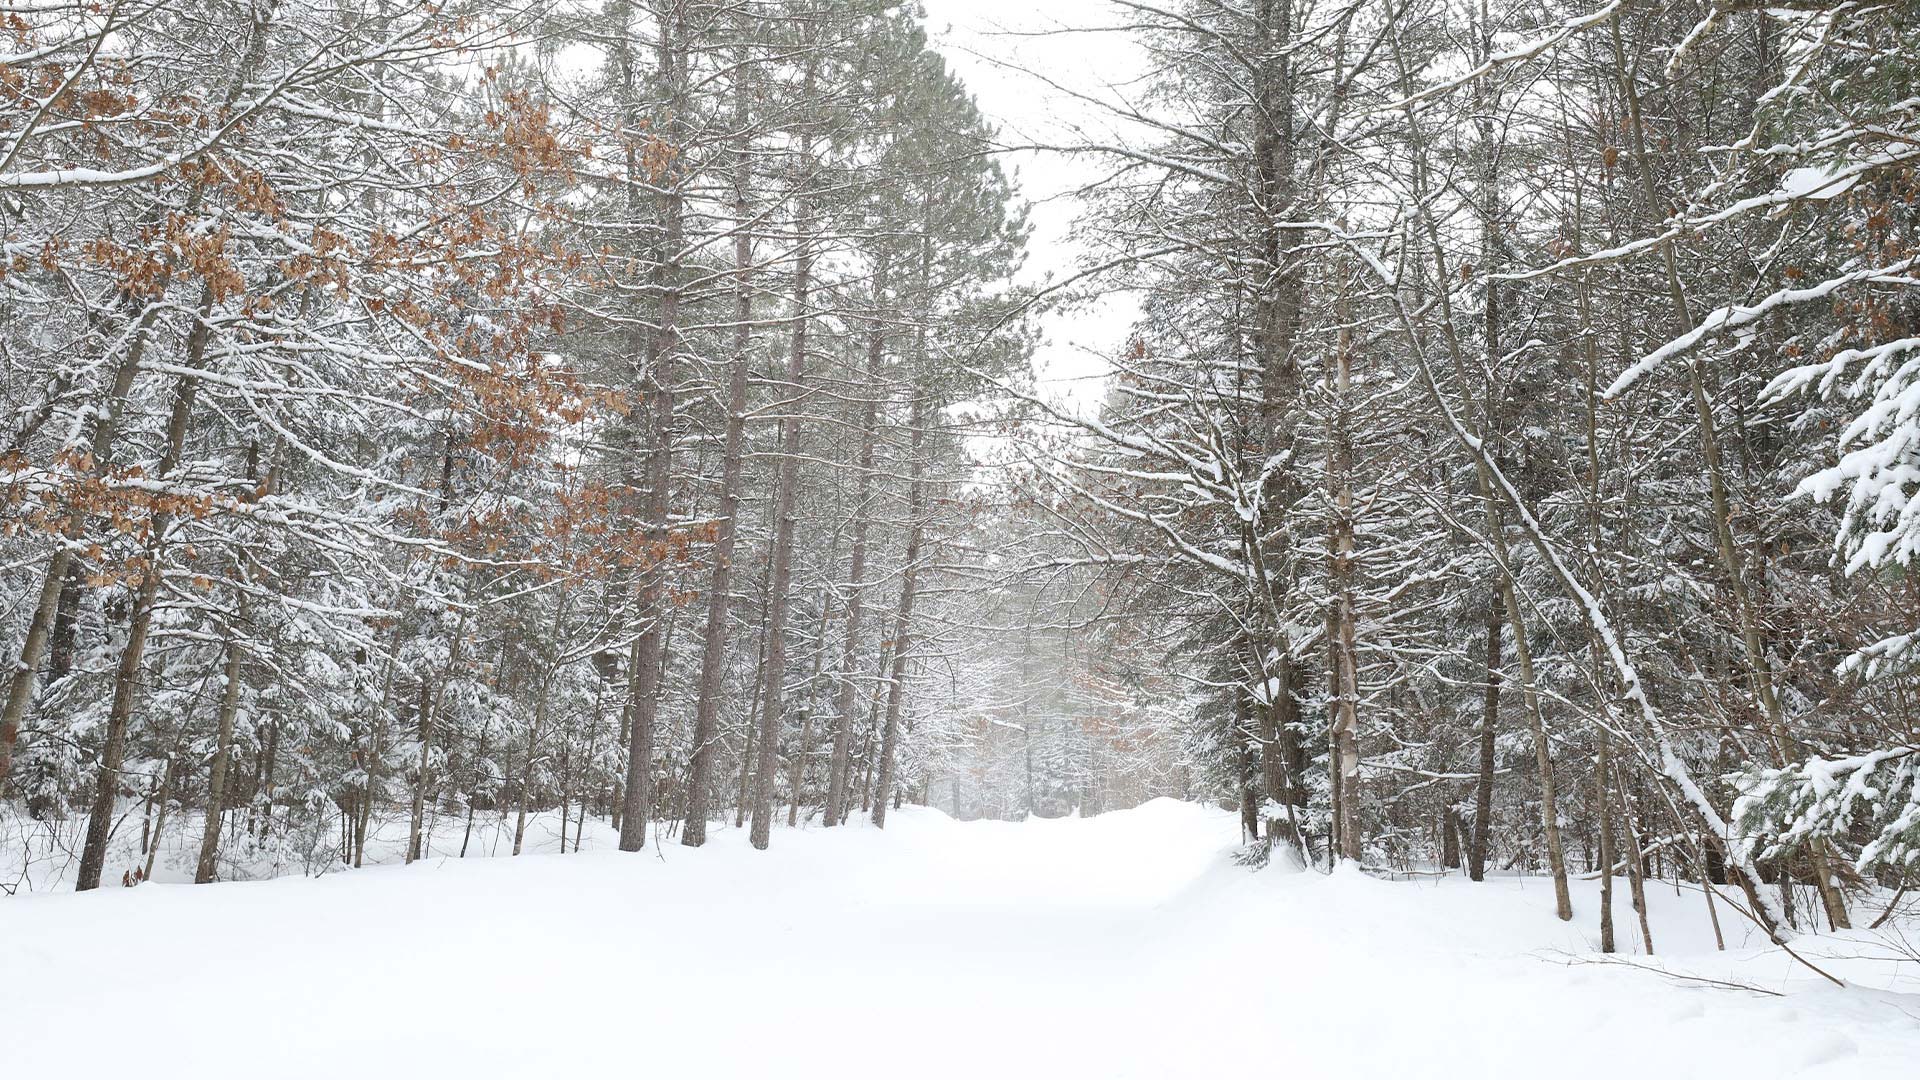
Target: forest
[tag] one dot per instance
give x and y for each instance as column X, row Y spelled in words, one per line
column 432, row 425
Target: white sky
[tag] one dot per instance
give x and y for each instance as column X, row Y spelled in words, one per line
column 986, row 43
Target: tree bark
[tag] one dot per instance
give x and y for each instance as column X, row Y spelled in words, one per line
column 903, row 618
column 1489, row 732
column 1344, row 666
column 223, row 749
column 713, row 654
column 1249, row 806
column 848, row 700
column 1636, row 877
column 1604, row 807
column 662, row 347
column 1530, row 707
column 429, row 708
column 160, row 817
column 797, row 769
column 787, row 483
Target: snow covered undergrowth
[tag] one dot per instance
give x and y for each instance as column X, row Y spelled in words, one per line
column 1124, row 945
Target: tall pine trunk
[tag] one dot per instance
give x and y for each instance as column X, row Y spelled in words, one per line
column 903, row 617
column 713, row 654
column 848, row 698
column 787, row 482
column 662, row 347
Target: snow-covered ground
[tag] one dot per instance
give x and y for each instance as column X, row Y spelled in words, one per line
column 1127, row 945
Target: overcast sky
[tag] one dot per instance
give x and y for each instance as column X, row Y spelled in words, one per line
column 992, row 45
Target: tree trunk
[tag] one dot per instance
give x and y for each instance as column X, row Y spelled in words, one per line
column 429, row 702
column 1530, row 701
column 1249, row 804
column 527, row 762
column 848, row 701
column 267, row 766
column 1604, row 807
column 160, row 817
column 223, row 749
column 1344, row 666
column 662, row 347
column 65, row 623
column 867, row 736
column 903, row 619
column 787, row 482
column 1489, row 732
column 748, row 742
column 1636, row 877
column 376, row 740
column 797, row 771
column 713, row 655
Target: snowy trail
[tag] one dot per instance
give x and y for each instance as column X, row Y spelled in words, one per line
column 1126, row 945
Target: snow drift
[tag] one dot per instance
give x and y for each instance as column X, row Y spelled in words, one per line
column 1126, row 945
